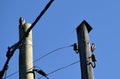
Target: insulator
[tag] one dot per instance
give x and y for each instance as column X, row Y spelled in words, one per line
column 75, row 47
column 93, row 58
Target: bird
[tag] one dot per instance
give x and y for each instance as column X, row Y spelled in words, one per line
column 93, row 47
column 21, row 21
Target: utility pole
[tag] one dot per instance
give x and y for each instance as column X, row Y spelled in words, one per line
column 26, row 52
column 25, row 46
column 84, row 50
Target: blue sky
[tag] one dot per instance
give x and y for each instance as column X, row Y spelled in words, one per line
column 57, row 28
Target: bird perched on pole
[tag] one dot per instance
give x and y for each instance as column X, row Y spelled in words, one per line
column 93, row 47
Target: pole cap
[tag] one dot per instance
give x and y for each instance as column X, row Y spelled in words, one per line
column 89, row 28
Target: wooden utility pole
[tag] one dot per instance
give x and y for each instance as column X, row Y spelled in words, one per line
column 25, row 46
column 26, row 53
column 84, row 50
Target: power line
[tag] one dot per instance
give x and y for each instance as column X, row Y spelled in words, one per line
column 61, row 68
column 14, row 74
column 11, row 74
column 42, row 57
column 51, row 52
column 64, row 67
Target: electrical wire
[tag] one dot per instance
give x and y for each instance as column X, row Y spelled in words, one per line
column 15, row 73
column 51, row 52
column 11, row 75
column 41, row 58
column 61, row 68
column 64, row 67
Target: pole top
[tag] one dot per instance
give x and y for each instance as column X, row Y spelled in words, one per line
column 89, row 28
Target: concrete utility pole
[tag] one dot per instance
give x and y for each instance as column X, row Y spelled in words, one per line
column 26, row 52
column 84, row 50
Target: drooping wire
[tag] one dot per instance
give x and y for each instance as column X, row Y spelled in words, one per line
column 61, row 68
column 64, row 67
column 51, row 52
column 42, row 57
